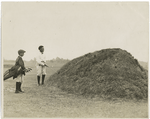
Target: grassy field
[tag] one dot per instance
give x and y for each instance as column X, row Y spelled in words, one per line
column 49, row 102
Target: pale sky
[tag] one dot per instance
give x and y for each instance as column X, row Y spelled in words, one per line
column 69, row 30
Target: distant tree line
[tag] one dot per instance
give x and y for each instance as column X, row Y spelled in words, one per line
column 57, row 60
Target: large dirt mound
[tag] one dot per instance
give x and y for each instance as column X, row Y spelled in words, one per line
column 108, row 73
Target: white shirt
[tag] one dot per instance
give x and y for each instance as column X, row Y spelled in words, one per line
column 41, row 57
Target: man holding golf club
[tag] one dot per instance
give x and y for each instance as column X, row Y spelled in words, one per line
column 41, row 65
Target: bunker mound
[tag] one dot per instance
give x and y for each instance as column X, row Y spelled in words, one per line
column 108, row 73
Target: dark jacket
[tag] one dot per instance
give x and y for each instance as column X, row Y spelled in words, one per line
column 18, row 68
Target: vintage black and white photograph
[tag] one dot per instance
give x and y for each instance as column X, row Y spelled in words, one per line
column 75, row 59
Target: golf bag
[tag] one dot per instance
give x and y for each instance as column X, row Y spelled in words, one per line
column 14, row 72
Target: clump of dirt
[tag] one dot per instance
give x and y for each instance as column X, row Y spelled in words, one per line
column 108, row 73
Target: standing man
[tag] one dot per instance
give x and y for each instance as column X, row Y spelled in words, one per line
column 20, row 71
column 41, row 65
column 17, row 71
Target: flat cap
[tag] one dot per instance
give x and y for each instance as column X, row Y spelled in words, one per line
column 21, row 51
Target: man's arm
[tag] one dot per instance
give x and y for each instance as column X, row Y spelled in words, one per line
column 38, row 60
column 44, row 60
column 21, row 63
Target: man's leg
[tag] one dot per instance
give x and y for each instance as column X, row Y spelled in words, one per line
column 38, row 74
column 17, row 84
column 43, row 74
column 43, row 77
column 38, row 79
column 17, row 87
column 20, row 83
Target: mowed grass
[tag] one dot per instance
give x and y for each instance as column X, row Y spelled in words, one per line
column 50, row 102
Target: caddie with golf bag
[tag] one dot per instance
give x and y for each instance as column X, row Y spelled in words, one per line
column 41, row 65
column 18, row 71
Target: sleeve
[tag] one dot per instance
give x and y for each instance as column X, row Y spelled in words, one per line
column 44, row 58
column 38, row 60
column 21, row 63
